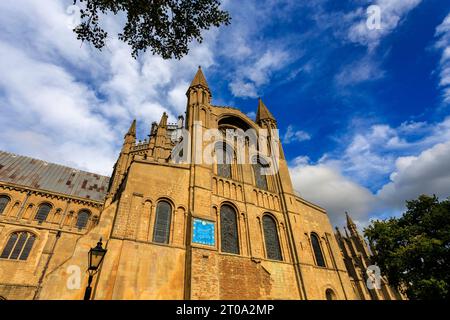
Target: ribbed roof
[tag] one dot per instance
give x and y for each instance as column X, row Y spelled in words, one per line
column 199, row 79
column 263, row 112
column 38, row 174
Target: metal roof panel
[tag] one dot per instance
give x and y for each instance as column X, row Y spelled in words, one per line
column 38, row 174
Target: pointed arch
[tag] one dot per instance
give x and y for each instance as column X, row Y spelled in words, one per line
column 224, row 157
column 317, row 249
column 271, row 237
column 229, row 236
column 236, row 121
column 258, row 167
column 163, row 219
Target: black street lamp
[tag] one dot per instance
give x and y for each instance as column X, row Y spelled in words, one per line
column 96, row 256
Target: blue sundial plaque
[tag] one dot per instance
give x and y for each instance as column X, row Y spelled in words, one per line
column 203, row 232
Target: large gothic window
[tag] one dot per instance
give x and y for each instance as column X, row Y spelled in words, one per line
column 82, row 219
column 162, row 222
column 18, row 246
column 229, row 238
column 320, row 261
column 224, row 159
column 260, row 179
column 4, row 200
column 43, row 212
column 273, row 249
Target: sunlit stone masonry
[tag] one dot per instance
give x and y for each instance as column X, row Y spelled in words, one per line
column 173, row 229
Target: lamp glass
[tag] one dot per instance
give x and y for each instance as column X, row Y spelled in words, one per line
column 96, row 256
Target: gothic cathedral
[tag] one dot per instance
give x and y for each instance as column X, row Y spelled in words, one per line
column 175, row 229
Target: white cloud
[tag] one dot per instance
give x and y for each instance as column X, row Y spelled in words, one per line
column 293, row 135
column 443, row 43
column 177, row 97
column 69, row 96
column 73, row 100
column 392, row 13
column 427, row 173
column 366, row 69
column 239, row 88
column 351, row 27
column 254, row 58
column 44, row 110
column 369, row 155
column 410, row 166
column 251, row 76
column 69, row 103
column 326, row 186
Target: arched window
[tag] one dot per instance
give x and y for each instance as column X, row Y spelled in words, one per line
column 42, row 212
column 272, row 241
column 224, row 159
column 260, row 179
column 82, row 219
column 162, row 222
column 320, row 261
column 4, row 200
column 330, row 295
column 18, row 246
column 229, row 239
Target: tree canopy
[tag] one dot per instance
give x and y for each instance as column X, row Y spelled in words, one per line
column 413, row 251
column 166, row 27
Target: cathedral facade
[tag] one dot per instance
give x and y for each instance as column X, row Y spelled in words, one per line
column 184, row 229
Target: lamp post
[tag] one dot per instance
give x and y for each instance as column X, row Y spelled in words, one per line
column 95, row 256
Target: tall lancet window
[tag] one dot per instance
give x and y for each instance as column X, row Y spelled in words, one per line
column 273, row 249
column 224, row 156
column 320, row 261
column 229, row 239
column 260, row 178
column 163, row 218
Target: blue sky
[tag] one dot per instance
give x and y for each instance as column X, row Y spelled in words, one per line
column 364, row 114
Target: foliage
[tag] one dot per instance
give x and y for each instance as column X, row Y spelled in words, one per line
column 413, row 251
column 165, row 26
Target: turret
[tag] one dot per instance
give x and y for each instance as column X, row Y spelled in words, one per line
column 129, row 139
column 198, row 92
column 122, row 163
column 338, row 234
column 198, row 100
column 160, row 148
column 266, row 120
column 356, row 238
column 351, row 226
column 263, row 116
